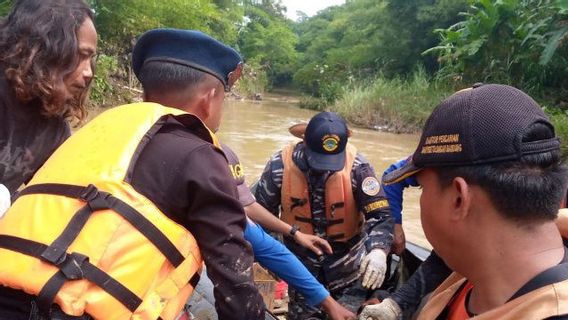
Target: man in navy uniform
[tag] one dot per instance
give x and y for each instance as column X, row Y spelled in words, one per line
column 323, row 186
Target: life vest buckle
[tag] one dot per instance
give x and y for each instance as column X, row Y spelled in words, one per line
column 54, row 255
column 97, row 200
column 91, row 192
column 72, row 266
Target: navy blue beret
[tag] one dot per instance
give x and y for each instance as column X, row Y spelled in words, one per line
column 190, row 48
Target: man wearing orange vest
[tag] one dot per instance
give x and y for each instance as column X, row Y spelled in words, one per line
column 118, row 221
column 492, row 182
column 323, row 186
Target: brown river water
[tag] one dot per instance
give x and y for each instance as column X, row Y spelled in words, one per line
column 257, row 129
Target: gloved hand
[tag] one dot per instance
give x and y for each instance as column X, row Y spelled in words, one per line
column 5, row 200
column 386, row 310
column 373, row 269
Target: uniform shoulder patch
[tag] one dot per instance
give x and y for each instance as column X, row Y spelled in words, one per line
column 371, row 186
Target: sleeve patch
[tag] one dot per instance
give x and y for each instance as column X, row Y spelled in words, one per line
column 376, row 205
column 371, row 186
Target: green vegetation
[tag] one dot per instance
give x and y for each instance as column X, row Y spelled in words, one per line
column 396, row 104
column 381, row 63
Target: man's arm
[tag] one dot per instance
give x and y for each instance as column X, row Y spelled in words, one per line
column 260, row 215
column 372, row 201
column 274, row 256
column 268, row 192
column 394, row 193
column 216, row 219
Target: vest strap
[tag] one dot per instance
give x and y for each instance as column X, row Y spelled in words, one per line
column 549, row 276
column 99, row 200
column 334, row 237
column 296, row 202
column 303, row 219
column 72, row 266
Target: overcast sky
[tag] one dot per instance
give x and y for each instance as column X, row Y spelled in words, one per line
column 310, row 7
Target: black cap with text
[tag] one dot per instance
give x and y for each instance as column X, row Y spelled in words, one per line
column 478, row 125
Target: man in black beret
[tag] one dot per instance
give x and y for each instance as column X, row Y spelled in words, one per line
column 136, row 200
column 188, row 177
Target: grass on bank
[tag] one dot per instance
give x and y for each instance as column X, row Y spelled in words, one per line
column 403, row 105
column 395, row 105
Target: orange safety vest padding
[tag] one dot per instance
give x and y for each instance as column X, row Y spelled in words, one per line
column 140, row 254
column 344, row 220
column 547, row 301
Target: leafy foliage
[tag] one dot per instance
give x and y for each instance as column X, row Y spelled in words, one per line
column 520, row 42
column 366, row 37
column 267, row 38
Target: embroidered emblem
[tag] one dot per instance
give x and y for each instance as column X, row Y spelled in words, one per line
column 234, row 75
column 371, row 186
column 330, row 143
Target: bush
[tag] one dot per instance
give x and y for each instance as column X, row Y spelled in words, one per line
column 560, row 120
column 254, row 80
column 397, row 105
column 101, row 88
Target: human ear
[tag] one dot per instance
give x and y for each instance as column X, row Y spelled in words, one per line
column 207, row 102
column 461, row 198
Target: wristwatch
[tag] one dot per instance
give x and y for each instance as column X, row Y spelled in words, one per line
column 293, row 231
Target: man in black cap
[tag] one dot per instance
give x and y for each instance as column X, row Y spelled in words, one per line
column 323, row 186
column 492, row 182
column 154, row 196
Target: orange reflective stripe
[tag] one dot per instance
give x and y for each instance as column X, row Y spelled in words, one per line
column 458, row 308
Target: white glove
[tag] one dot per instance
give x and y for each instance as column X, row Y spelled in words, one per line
column 373, row 269
column 386, row 310
column 4, row 200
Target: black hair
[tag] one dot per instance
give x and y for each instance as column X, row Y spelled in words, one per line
column 159, row 78
column 527, row 190
column 39, row 48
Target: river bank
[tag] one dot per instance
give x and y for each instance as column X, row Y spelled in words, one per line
column 403, row 105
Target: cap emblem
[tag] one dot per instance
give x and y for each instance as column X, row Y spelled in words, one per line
column 234, row 75
column 330, row 142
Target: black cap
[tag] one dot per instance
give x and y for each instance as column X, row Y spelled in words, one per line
column 325, row 139
column 190, row 48
column 478, row 125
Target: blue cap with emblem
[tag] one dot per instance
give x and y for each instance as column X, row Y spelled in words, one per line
column 325, row 139
column 190, row 48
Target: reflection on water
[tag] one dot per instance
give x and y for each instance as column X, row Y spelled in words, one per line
column 255, row 130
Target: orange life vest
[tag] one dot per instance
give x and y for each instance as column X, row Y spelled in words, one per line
column 547, row 301
column 458, row 307
column 80, row 236
column 344, row 220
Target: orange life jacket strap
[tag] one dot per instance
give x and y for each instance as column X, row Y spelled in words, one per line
column 73, row 266
column 99, row 200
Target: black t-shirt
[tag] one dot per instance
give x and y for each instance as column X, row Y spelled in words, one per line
column 27, row 138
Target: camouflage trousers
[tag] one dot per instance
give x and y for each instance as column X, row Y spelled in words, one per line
column 350, row 297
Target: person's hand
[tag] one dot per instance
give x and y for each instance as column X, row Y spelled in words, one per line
column 314, row 243
column 399, row 240
column 335, row 311
column 5, row 200
column 373, row 269
column 386, row 310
